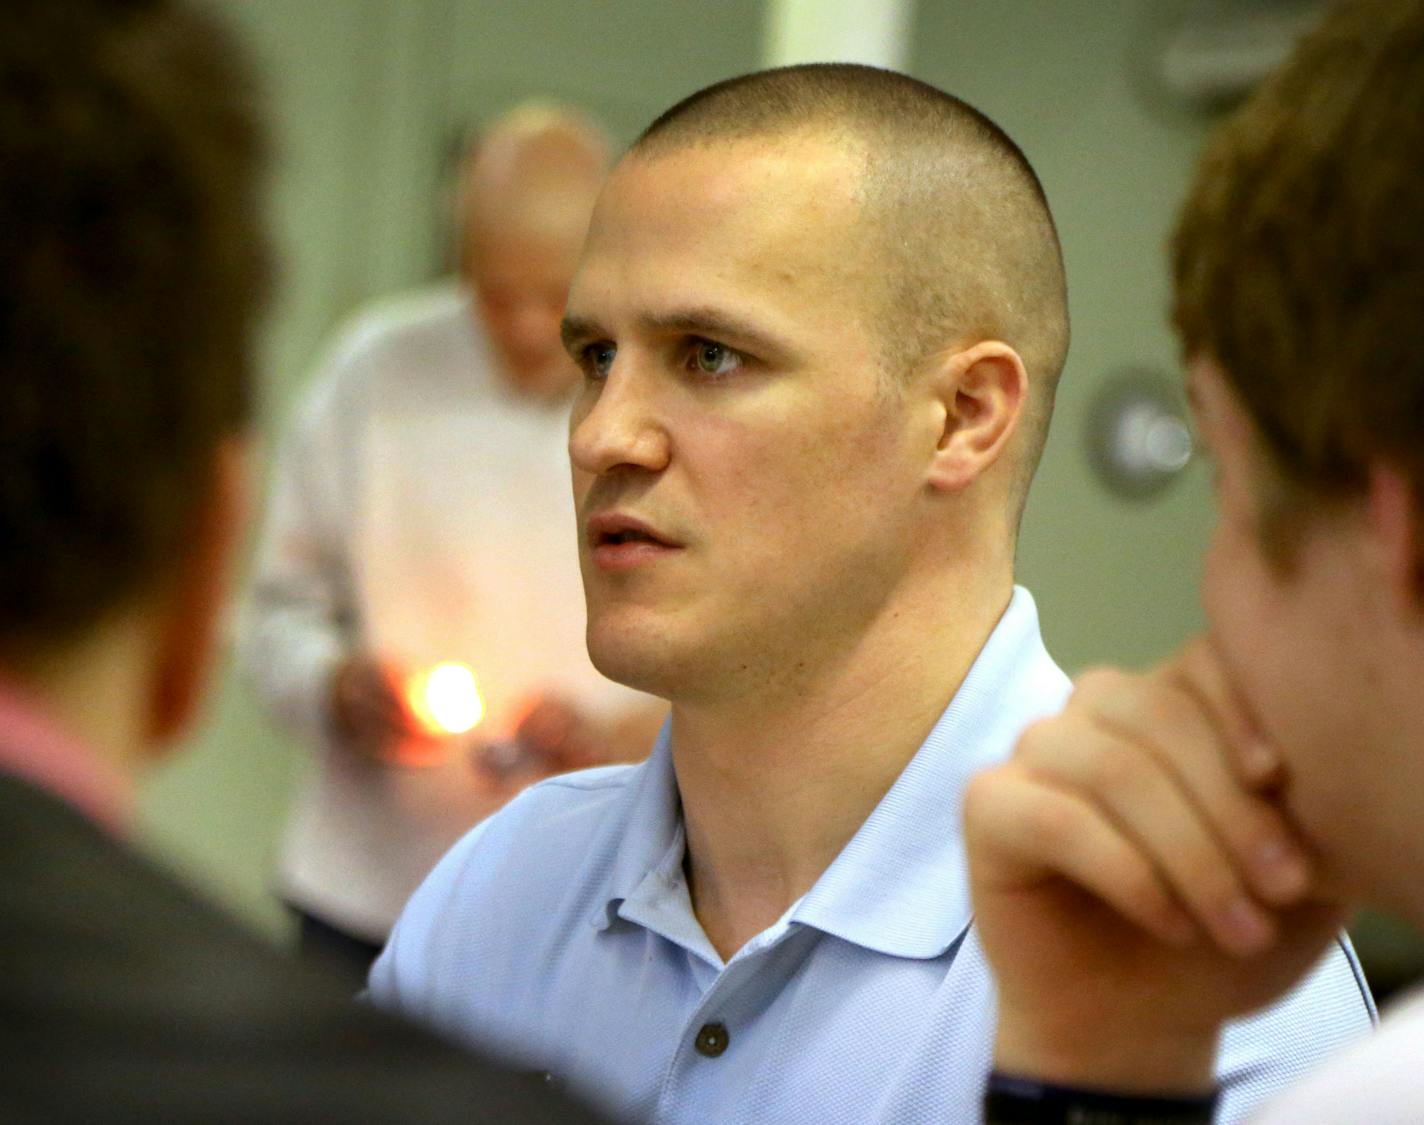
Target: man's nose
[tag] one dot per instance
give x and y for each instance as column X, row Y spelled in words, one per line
column 618, row 423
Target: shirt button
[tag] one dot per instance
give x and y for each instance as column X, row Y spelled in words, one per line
column 712, row 1040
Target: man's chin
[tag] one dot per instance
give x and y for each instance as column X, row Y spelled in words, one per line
column 622, row 666
column 633, row 657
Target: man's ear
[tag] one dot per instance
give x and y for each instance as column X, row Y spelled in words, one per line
column 982, row 392
column 196, row 600
column 1399, row 538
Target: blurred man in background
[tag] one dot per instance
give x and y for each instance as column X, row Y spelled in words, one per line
column 1177, row 848
column 821, row 314
column 135, row 268
column 421, row 516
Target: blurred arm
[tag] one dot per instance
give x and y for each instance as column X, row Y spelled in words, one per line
column 299, row 619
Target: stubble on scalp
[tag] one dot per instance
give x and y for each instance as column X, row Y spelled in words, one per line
column 958, row 239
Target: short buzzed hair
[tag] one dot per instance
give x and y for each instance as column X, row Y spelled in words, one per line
column 968, row 246
column 1299, row 261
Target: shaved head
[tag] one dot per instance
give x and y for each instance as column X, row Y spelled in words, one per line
column 527, row 188
column 950, row 208
column 538, row 167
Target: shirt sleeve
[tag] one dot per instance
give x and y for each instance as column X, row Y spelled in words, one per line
column 300, row 614
column 425, row 945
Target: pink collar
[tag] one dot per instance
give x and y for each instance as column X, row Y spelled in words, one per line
column 37, row 749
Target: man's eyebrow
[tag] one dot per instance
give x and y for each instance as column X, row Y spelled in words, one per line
column 717, row 325
column 575, row 330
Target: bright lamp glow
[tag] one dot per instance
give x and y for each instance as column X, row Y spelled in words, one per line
column 446, row 699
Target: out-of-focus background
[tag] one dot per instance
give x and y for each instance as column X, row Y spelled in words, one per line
column 1110, row 100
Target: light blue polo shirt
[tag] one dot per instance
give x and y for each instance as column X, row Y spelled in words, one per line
column 559, row 935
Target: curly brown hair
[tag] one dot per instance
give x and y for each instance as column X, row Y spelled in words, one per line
column 1299, row 258
column 134, row 270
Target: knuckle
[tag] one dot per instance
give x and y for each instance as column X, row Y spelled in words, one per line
column 1038, row 736
column 1053, row 822
column 1095, row 682
column 1255, row 828
column 1115, row 768
column 1211, row 883
column 984, row 793
column 1140, row 886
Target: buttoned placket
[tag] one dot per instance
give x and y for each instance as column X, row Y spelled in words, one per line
column 722, row 1013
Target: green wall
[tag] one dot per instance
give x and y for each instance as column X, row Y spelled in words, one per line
column 1115, row 579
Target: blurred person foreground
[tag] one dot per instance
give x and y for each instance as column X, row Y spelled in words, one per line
column 130, row 164
column 1188, row 840
column 417, row 617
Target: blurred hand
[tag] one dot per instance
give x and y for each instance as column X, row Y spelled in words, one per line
column 571, row 739
column 1130, row 891
column 367, row 708
column 560, row 734
column 555, row 735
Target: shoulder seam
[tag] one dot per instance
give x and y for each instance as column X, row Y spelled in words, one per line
column 586, row 785
column 1358, row 972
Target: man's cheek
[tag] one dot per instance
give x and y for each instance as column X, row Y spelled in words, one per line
column 1211, row 588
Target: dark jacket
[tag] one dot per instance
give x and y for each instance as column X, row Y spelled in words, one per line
column 124, row 997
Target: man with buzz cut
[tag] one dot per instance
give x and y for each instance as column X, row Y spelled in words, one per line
column 820, row 315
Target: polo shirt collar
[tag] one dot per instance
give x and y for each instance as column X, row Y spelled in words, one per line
column 652, row 838
column 900, row 885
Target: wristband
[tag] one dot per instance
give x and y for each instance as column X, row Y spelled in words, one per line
column 1009, row 1100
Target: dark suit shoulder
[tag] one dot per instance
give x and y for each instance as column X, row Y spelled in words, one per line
column 123, row 993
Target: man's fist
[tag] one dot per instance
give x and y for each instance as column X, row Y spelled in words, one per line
column 367, row 710
column 1131, row 893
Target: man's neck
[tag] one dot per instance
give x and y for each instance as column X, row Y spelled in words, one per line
column 80, row 704
column 773, row 790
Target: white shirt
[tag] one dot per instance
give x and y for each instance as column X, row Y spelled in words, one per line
column 560, row 935
column 1379, row 1080
column 423, row 512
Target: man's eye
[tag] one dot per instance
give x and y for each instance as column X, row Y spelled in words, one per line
column 598, row 360
column 715, row 359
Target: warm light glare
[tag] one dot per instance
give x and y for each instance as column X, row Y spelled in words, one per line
column 446, row 699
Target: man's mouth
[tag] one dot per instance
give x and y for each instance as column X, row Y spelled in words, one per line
column 619, row 541
column 632, row 535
